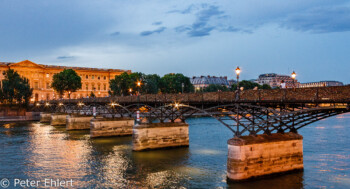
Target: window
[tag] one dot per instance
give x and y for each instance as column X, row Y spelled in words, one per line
column 87, row 77
column 36, row 85
column 104, row 77
column 47, row 75
column 47, row 85
column 86, row 86
column 93, row 86
column 98, row 77
column 93, row 77
column 98, row 87
column 104, row 87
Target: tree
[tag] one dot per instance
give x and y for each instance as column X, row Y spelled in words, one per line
column 172, row 83
column 215, row 88
column 265, row 86
column 249, row 85
column 66, row 81
column 119, row 83
column 122, row 84
column 151, row 84
column 15, row 87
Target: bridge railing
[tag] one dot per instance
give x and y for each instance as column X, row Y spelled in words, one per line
column 299, row 94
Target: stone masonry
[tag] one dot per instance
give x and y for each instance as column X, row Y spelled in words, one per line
column 105, row 127
column 160, row 135
column 45, row 117
column 58, row 119
column 75, row 122
column 251, row 156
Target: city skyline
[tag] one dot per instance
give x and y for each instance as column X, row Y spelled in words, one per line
column 207, row 38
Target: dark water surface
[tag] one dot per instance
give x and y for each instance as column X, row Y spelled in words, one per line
column 36, row 151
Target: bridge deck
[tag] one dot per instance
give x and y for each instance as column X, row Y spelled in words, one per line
column 298, row 95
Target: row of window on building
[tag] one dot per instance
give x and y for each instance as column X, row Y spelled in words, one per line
column 97, row 87
column 93, row 77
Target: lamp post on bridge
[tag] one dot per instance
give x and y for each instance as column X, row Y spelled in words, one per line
column 238, row 71
column 138, row 87
column 293, row 77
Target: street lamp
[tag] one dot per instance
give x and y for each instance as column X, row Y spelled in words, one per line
column 139, row 87
column 130, row 91
column 238, row 71
column 293, row 77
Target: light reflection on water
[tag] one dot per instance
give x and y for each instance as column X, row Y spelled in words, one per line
column 38, row 151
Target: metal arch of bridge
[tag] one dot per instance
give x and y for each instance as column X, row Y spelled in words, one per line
column 241, row 119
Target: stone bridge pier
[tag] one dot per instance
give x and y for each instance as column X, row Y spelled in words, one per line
column 159, row 135
column 261, row 155
column 78, row 122
column 58, row 119
column 107, row 127
column 45, row 117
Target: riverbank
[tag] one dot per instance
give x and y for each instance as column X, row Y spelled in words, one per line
column 29, row 116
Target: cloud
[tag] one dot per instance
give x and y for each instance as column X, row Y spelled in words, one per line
column 201, row 26
column 234, row 29
column 187, row 10
column 147, row 33
column 115, row 33
column 200, row 31
column 320, row 20
column 65, row 57
column 157, row 23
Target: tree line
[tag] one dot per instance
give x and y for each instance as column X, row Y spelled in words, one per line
column 140, row 83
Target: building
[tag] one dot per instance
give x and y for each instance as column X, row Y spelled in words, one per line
column 40, row 78
column 204, row 81
column 275, row 80
column 231, row 82
column 321, row 84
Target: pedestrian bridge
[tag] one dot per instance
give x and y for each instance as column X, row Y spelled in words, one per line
column 248, row 112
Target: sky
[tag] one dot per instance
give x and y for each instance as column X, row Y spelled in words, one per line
column 191, row 37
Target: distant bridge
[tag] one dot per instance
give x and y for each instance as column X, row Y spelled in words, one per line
column 248, row 112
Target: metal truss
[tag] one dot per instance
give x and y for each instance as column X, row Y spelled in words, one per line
column 239, row 118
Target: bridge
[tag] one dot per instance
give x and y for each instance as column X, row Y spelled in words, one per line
column 254, row 112
column 255, row 117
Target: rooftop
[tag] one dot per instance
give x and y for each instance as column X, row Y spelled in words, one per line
column 59, row 67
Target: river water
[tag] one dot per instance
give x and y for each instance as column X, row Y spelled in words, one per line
column 37, row 151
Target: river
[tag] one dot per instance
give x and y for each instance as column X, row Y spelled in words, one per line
column 37, row 152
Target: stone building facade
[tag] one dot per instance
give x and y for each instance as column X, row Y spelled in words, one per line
column 40, row 78
column 204, row 81
column 275, row 80
column 321, row 84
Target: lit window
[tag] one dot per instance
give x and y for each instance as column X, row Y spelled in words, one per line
column 93, row 77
